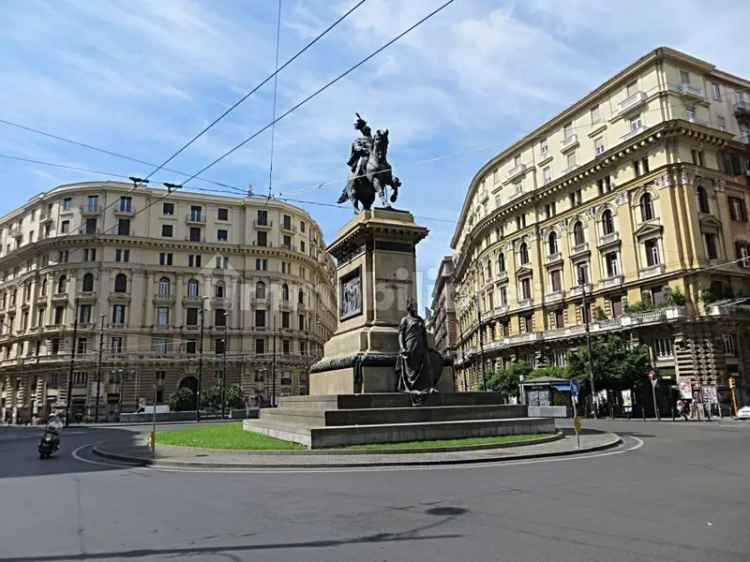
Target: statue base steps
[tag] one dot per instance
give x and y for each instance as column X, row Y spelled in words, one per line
column 353, row 419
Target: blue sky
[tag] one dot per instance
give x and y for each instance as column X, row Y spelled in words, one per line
column 141, row 78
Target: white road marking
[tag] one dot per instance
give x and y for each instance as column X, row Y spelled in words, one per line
column 75, row 454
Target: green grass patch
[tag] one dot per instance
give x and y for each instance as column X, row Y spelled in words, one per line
column 446, row 443
column 223, row 436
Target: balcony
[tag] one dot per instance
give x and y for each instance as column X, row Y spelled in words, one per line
column 517, row 192
column 268, row 244
column 516, row 172
column 634, row 132
column 45, row 216
column 168, row 298
column 91, row 211
column 128, row 211
column 652, row 271
column 525, row 303
column 15, row 230
column 195, row 218
column 632, row 102
column 60, row 297
column 501, row 309
column 609, row 239
column 263, row 225
column 288, row 227
column 501, row 276
column 742, row 111
column 553, row 297
column 579, row 249
column 580, row 289
column 614, row 281
column 569, row 143
column 688, row 91
column 192, row 300
column 553, row 258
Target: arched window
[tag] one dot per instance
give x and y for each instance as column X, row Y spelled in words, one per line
column 501, row 262
column 62, row 284
column 121, row 283
column 523, row 252
column 165, row 287
column 260, row 290
column 578, row 236
column 88, row 283
column 285, row 292
column 703, row 200
column 608, row 225
column 43, row 290
column 219, row 291
column 647, row 207
column 301, row 297
column 489, row 271
column 193, row 288
column 552, row 243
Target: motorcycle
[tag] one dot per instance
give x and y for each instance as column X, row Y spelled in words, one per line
column 49, row 444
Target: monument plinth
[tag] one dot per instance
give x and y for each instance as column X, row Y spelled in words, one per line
column 379, row 380
column 376, row 280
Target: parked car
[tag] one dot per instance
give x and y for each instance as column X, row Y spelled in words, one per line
column 743, row 413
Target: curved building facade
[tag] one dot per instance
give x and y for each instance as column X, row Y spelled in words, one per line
column 130, row 293
column 626, row 213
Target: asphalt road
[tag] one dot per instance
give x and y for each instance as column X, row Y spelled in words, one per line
column 673, row 492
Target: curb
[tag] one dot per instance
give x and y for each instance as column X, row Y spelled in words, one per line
column 156, row 463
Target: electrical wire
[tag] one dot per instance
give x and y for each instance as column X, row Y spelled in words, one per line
column 320, row 90
column 274, row 75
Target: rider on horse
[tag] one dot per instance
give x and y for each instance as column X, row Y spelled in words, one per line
column 361, row 149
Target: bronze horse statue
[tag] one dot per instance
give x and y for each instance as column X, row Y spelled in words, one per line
column 371, row 176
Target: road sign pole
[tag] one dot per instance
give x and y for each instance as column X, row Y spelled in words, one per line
column 576, row 419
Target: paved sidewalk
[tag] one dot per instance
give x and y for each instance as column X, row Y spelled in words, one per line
column 170, row 456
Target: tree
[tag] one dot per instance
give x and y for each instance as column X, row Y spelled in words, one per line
column 505, row 381
column 181, row 400
column 616, row 365
column 554, row 372
column 232, row 397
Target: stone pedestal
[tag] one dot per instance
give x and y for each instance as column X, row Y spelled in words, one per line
column 376, row 279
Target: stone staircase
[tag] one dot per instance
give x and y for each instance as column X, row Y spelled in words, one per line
column 351, row 419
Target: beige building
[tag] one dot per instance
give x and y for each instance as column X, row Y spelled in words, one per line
column 442, row 320
column 151, row 268
column 635, row 196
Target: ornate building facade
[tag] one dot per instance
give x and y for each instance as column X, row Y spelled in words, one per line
column 138, row 292
column 628, row 209
column 442, row 319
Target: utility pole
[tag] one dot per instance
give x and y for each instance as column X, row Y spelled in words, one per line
column 224, row 374
column 200, row 364
column 586, row 311
column 481, row 343
column 72, row 365
column 99, row 371
column 273, row 360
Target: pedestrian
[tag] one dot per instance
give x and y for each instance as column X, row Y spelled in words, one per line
column 686, row 409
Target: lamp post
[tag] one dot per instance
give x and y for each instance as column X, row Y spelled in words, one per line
column 200, row 363
column 224, row 374
column 69, row 398
column 99, row 371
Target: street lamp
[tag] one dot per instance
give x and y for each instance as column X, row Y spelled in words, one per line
column 224, row 374
column 200, row 363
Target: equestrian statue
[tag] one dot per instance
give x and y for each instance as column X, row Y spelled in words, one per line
column 369, row 170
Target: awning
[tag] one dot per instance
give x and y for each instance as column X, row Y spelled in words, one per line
column 562, row 387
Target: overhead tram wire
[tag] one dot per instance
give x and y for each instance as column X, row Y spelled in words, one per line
column 105, row 151
column 321, row 90
column 274, row 75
